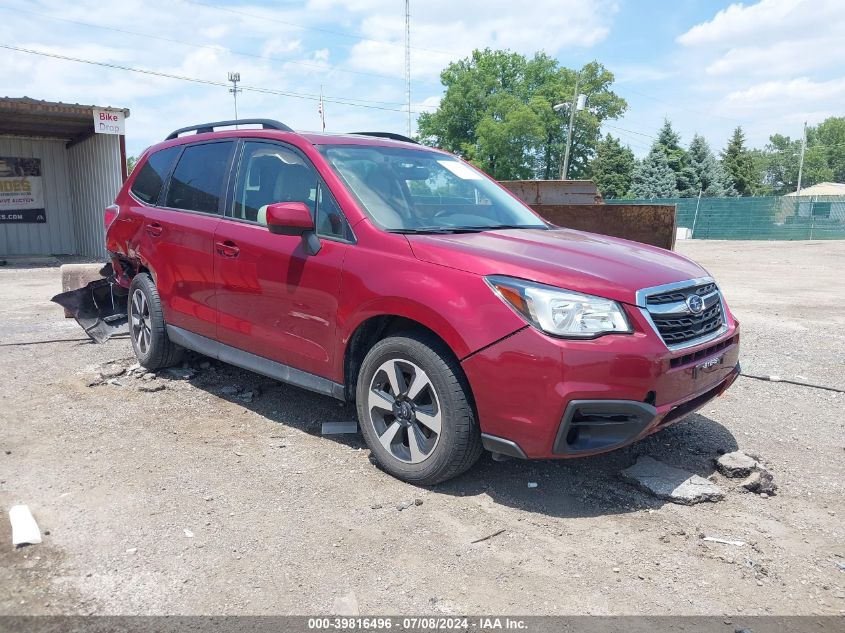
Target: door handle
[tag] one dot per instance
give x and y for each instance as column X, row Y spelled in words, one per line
column 227, row 249
column 155, row 229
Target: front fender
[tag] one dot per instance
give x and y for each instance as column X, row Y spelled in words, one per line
column 457, row 306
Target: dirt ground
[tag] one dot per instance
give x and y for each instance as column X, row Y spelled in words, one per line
column 200, row 499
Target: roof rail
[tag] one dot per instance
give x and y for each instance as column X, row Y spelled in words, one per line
column 267, row 124
column 390, row 135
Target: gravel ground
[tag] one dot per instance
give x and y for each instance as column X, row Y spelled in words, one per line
column 199, row 498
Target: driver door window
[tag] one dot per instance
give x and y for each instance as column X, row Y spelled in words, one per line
column 271, row 173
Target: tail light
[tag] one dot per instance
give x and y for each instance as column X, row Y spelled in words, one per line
column 110, row 215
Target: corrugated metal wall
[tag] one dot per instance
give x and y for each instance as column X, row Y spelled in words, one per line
column 79, row 183
column 95, row 180
column 57, row 235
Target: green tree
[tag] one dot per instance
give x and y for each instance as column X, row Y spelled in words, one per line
column 738, row 162
column 708, row 175
column 653, row 177
column 504, row 138
column 670, row 143
column 778, row 164
column 499, row 102
column 824, row 159
column 613, row 168
column 827, row 142
column 602, row 104
column 131, row 161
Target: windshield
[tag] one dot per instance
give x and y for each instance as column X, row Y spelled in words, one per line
column 410, row 190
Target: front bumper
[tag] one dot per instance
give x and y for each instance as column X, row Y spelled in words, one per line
column 541, row 397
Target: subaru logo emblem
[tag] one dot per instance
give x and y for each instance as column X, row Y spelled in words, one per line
column 695, row 304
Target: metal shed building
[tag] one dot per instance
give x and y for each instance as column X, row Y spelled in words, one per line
column 57, row 175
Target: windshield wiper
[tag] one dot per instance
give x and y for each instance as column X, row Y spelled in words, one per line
column 464, row 229
column 423, row 230
column 495, row 227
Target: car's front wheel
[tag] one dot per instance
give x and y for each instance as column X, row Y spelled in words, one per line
column 415, row 411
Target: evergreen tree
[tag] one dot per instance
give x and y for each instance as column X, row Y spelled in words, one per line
column 653, row 177
column 613, row 168
column 738, row 162
column 670, row 144
column 708, row 175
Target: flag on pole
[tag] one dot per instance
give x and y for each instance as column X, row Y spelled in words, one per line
column 321, row 110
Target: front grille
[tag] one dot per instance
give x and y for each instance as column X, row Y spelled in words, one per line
column 681, row 295
column 674, row 321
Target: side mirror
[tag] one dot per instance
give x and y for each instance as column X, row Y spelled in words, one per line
column 289, row 218
column 294, row 218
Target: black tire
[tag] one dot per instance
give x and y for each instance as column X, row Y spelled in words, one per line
column 457, row 446
column 152, row 347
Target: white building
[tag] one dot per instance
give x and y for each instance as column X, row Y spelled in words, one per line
column 60, row 165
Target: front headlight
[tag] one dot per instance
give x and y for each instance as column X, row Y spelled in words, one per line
column 560, row 312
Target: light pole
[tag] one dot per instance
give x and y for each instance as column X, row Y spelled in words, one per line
column 578, row 103
column 801, row 163
column 235, row 78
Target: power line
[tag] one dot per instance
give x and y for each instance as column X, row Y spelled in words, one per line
column 207, row 82
column 680, row 107
column 314, row 28
column 162, row 38
column 614, row 127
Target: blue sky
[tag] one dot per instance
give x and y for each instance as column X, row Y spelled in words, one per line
column 708, row 66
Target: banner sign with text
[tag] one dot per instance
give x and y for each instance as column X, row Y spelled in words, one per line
column 109, row 121
column 21, row 191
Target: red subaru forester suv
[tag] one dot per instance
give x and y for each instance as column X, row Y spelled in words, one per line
column 372, row 269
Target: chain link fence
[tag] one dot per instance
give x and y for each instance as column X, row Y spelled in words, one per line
column 757, row 218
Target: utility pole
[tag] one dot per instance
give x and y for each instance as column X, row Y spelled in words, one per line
column 801, row 162
column 235, row 78
column 564, row 170
column 321, row 109
column 408, row 61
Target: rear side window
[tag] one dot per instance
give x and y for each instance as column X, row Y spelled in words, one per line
column 147, row 184
column 199, row 178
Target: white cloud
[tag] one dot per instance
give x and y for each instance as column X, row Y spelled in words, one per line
column 781, row 58
column 444, row 30
column 768, row 65
column 353, row 48
column 771, row 37
column 743, row 21
column 194, row 41
column 774, row 95
column 280, row 46
column 214, row 32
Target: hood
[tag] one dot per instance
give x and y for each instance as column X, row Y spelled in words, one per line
column 586, row 262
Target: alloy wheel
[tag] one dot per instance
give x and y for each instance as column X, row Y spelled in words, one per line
column 139, row 315
column 404, row 410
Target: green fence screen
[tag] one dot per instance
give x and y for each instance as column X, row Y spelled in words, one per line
column 777, row 218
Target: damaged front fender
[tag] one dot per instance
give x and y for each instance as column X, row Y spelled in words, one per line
column 99, row 307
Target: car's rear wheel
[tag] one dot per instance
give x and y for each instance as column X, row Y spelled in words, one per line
column 147, row 329
column 415, row 411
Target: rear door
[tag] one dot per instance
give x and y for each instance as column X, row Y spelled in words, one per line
column 273, row 298
column 178, row 235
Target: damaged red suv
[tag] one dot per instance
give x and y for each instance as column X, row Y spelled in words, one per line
column 372, row 269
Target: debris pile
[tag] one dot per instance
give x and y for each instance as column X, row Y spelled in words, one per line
column 99, row 307
column 672, row 484
column 757, row 478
